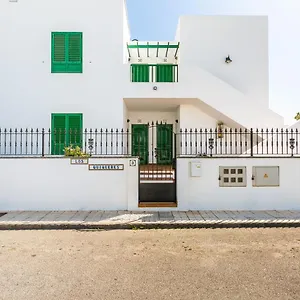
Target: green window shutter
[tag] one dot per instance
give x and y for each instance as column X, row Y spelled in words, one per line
column 165, row 73
column 74, row 63
column 58, row 134
column 66, row 52
column 75, row 130
column 59, row 57
column 66, row 130
column 140, row 73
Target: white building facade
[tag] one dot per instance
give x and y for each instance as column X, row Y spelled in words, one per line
column 57, row 61
column 72, row 75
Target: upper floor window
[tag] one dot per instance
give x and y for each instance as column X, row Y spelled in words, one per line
column 154, row 73
column 66, row 53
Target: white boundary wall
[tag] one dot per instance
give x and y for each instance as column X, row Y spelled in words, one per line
column 55, row 184
column 204, row 193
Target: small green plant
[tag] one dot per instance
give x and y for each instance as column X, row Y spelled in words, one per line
column 75, row 152
column 297, row 117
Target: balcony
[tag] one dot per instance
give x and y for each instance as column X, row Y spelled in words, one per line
column 153, row 61
column 153, row 73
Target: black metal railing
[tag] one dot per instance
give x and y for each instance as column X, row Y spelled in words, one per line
column 118, row 142
column 239, row 142
column 41, row 142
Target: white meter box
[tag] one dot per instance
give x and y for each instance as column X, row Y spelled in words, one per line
column 265, row 176
column 195, row 169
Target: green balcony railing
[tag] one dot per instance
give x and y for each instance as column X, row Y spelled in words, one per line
column 154, row 73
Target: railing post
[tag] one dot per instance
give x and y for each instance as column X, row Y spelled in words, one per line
column 251, row 141
column 43, row 142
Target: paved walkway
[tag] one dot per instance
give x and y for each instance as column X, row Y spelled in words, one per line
column 131, row 219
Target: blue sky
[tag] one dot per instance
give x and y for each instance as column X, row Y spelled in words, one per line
column 157, row 20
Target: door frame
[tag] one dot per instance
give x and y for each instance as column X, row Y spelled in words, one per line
column 146, row 127
column 170, row 146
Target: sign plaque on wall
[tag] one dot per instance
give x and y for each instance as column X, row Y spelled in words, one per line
column 79, row 161
column 106, row 167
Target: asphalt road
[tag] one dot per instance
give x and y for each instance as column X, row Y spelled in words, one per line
column 150, row 264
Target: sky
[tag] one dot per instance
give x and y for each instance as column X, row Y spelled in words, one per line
column 156, row 20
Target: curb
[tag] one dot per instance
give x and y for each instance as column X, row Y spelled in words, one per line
column 158, row 225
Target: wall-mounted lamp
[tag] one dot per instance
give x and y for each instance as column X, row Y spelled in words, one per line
column 228, row 60
column 128, row 120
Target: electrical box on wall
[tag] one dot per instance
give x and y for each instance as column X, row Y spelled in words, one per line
column 234, row 176
column 196, row 169
column 263, row 176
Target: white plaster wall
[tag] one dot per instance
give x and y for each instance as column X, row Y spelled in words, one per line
column 30, row 93
column 192, row 117
column 204, row 193
column 126, row 32
column 207, row 40
column 197, row 83
column 54, row 184
column 144, row 117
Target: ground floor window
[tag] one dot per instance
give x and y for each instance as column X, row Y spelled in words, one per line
column 66, row 130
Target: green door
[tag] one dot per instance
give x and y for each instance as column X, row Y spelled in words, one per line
column 140, row 142
column 66, row 130
column 164, row 147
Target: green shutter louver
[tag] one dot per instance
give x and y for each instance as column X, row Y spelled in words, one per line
column 66, row 130
column 74, row 53
column 75, row 130
column 66, row 52
column 165, row 73
column 58, row 134
column 59, row 57
column 140, row 73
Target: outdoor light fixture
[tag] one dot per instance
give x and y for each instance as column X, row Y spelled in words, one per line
column 292, row 145
column 228, row 60
column 211, row 145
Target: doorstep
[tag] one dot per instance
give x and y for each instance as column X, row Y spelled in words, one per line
column 157, row 204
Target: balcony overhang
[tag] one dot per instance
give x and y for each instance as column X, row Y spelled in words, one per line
column 153, row 51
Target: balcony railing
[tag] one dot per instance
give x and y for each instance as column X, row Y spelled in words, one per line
column 153, row 73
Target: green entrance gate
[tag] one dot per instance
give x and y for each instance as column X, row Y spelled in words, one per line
column 155, row 146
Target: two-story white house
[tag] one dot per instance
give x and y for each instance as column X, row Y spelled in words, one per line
column 71, row 64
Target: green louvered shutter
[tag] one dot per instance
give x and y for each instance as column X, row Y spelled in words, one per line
column 58, row 134
column 75, row 130
column 165, row 73
column 74, row 58
column 59, row 53
column 140, row 73
column 66, row 52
